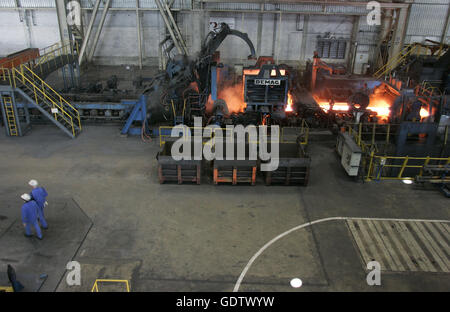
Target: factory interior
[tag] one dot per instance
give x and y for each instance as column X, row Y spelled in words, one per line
column 349, row 99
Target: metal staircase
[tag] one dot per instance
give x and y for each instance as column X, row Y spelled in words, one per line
column 10, row 115
column 28, row 81
column 403, row 57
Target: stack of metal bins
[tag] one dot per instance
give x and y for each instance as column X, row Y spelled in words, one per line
column 293, row 166
column 180, row 171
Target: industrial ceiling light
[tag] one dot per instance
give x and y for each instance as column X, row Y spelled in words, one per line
column 406, row 181
column 296, row 283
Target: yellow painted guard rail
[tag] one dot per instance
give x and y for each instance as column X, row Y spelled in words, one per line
column 97, row 281
column 209, row 133
column 411, row 49
column 43, row 94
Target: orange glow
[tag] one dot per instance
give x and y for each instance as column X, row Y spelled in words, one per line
column 377, row 104
column 255, row 71
column 233, row 96
column 273, row 72
column 424, row 113
column 248, row 71
column 290, row 101
column 338, row 106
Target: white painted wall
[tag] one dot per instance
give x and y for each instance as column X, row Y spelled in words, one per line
column 19, row 31
column 118, row 43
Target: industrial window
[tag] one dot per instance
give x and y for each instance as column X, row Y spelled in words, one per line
column 331, row 48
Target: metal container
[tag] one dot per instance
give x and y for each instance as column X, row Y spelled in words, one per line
column 180, row 171
column 235, row 171
column 293, row 166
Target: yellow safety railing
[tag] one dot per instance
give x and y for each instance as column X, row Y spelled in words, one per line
column 210, row 133
column 428, row 89
column 24, row 76
column 368, row 136
column 383, row 167
column 51, row 53
column 6, row 289
column 207, row 133
column 10, row 115
column 411, row 49
column 378, row 164
column 302, row 132
column 97, row 281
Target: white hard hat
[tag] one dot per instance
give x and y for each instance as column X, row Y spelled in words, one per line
column 33, row 183
column 26, row 197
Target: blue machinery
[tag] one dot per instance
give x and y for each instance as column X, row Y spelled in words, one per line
column 16, row 116
column 138, row 114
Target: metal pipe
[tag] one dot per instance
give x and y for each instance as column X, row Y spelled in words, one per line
column 166, row 21
column 399, row 34
column 60, row 6
column 259, row 32
column 138, row 27
column 278, row 40
column 446, row 25
column 99, row 30
column 88, row 33
column 274, row 34
column 304, row 37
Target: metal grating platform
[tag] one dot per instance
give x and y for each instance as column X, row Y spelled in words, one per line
column 403, row 246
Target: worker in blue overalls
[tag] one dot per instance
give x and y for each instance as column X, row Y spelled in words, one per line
column 30, row 216
column 39, row 194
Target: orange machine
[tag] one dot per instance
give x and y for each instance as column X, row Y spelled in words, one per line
column 319, row 64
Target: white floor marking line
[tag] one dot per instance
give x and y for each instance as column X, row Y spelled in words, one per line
column 398, row 246
column 359, row 242
column 388, row 246
column 268, row 244
column 430, row 245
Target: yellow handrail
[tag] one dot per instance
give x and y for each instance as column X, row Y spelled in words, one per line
column 25, row 75
column 401, row 56
column 57, row 49
column 61, row 99
column 95, row 287
column 383, row 162
column 304, row 129
column 42, row 91
column 33, row 82
column 394, row 61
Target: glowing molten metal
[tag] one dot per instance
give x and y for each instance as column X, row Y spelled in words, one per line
column 289, row 107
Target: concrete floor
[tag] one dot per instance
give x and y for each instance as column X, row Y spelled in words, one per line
column 188, row 237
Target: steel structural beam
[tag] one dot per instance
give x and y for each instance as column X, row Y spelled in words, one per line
column 304, row 37
column 99, row 30
column 138, row 27
column 398, row 38
column 320, row 2
column 259, row 32
column 446, row 25
column 175, row 26
column 169, row 27
column 383, row 5
column 166, row 21
column 62, row 19
column 88, row 32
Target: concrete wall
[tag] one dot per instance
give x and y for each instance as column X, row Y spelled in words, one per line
column 291, row 41
column 23, row 30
